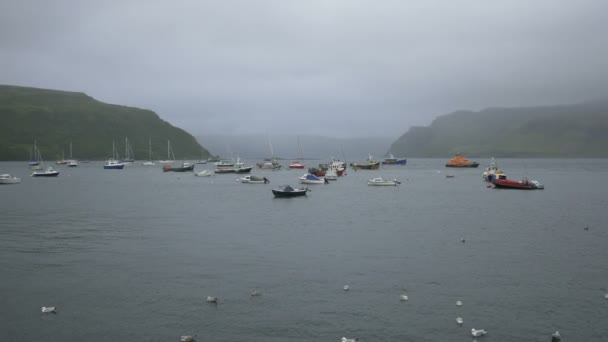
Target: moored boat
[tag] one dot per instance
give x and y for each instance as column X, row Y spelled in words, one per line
column 113, row 163
column 253, row 180
column 49, row 172
column 460, row 161
column 492, row 172
column 295, row 165
column 8, row 179
column 204, row 173
column 184, row 167
column 391, row 160
column 379, row 181
column 287, row 191
column 524, row 184
column 309, row 178
column 370, row 164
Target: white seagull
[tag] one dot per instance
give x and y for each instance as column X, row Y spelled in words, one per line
column 187, row 338
column 256, row 293
column 48, row 309
column 403, row 297
column 211, row 299
column 459, row 320
column 344, row 339
column 477, row 333
column 346, row 287
column 458, row 303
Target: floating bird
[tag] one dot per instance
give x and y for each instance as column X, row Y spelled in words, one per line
column 477, row 333
column 458, row 303
column 403, row 297
column 462, row 240
column 556, row 337
column 48, row 309
column 606, row 296
column 344, row 339
column 255, row 293
column 459, row 320
column 346, row 287
column 187, row 338
column 212, row 300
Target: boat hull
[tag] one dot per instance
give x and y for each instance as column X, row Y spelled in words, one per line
column 179, row 169
column 394, row 162
column 517, row 185
column 372, row 166
column 287, row 194
column 114, row 167
column 472, row 165
column 45, row 174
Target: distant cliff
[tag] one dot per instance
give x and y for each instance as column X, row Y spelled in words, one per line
column 55, row 118
column 566, row 131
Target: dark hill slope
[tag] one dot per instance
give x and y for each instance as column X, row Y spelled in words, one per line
column 554, row 131
column 54, row 118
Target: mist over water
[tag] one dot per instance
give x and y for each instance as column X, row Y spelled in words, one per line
column 132, row 255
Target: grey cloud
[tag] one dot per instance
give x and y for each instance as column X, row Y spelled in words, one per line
column 328, row 67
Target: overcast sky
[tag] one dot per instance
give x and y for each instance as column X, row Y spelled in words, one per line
column 343, row 68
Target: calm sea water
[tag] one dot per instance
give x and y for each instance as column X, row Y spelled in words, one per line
column 131, row 255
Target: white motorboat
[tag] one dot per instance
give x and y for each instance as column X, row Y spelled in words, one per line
column 331, row 174
column 204, row 173
column 8, row 179
column 478, row 332
column 493, row 172
column 379, row 181
column 253, row 180
column 309, row 178
column 49, row 172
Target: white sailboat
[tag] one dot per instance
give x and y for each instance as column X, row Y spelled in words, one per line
column 72, row 162
column 113, row 163
column 149, row 162
column 129, row 158
column 170, row 155
column 49, row 172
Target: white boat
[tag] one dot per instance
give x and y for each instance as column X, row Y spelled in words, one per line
column 149, row 162
column 493, row 172
column 72, row 162
column 170, row 155
column 253, row 180
column 204, row 173
column 113, row 163
column 379, row 181
column 129, row 155
column 478, row 333
column 49, row 172
column 309, row 178
column 8, row 179
column 331, row 174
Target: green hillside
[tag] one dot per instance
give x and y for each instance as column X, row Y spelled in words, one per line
column 54, row 118
column 569, row 131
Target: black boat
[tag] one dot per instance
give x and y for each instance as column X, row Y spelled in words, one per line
column 288, row 191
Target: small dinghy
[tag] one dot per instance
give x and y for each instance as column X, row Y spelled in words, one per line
column 478, row 333
column 48, row 309
column 379, row 181
column 204, row 173
column 459, row 320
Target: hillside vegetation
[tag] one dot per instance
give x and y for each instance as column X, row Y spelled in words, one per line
column 553, row 131
column 54, row 118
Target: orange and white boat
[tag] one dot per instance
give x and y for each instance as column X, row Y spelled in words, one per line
column 460, row 161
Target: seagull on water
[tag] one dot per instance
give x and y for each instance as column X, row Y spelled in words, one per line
column 344, row 339
column 403, row 297
column 459, row 320
column 211, row 299
column 477, row 333
column 255, row 293
column 458, row 303
column 48, row 309
column 346, row 287
column 187, row 338
column 556, row 337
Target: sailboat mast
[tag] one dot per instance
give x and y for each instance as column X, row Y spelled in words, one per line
column 70, row 149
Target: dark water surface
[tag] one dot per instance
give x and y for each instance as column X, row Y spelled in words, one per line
column 131, row 255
